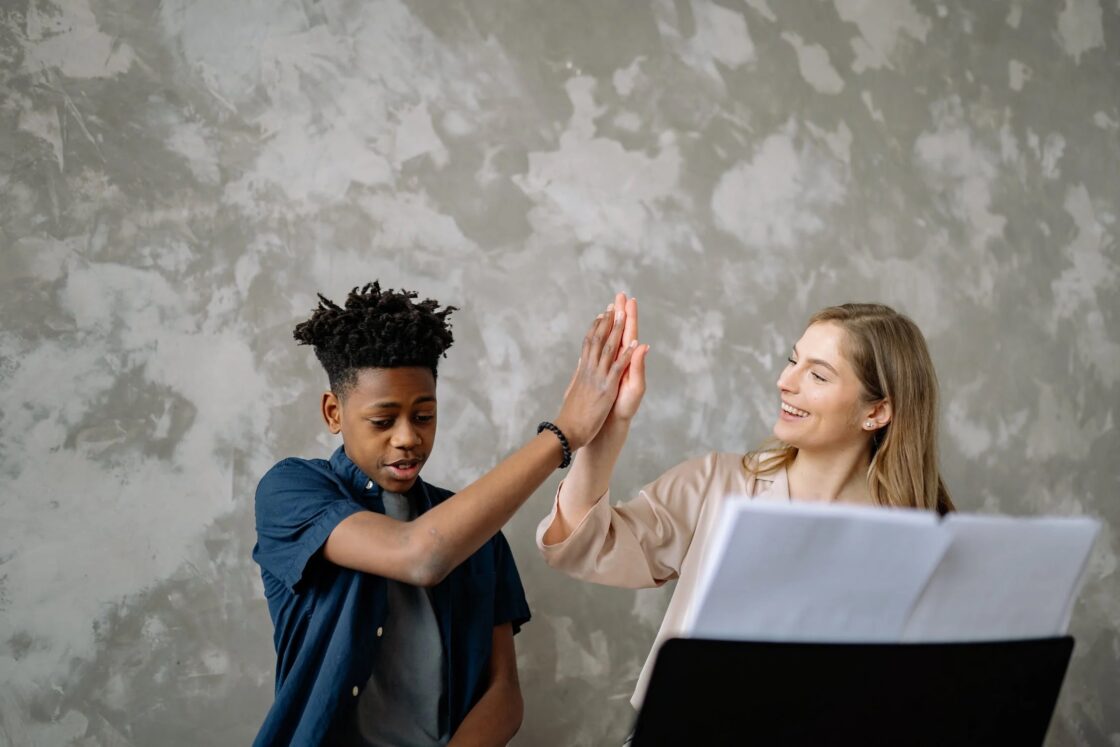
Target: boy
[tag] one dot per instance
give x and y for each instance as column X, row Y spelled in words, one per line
column 394, row 602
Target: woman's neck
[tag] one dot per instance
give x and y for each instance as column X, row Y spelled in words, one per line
column 839, row 477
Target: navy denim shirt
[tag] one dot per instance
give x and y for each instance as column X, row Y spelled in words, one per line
column 326, row 617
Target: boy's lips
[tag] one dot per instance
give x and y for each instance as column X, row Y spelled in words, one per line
column 404, row 469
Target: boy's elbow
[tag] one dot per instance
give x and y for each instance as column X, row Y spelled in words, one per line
column 427, row 577
column 429, row 564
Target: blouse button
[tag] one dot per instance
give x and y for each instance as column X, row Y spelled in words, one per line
column 380, row 631
column 355, row 691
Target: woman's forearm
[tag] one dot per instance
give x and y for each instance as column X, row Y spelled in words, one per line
column 588, row 480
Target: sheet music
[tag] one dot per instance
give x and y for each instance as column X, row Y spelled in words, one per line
column 828, row 573
column 1004, row 578
column 807, row 572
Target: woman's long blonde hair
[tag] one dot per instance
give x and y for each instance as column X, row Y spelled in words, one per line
column 889, row 355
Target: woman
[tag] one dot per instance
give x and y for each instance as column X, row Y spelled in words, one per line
column 857, row 423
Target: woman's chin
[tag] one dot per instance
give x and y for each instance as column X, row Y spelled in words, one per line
column 786, row 437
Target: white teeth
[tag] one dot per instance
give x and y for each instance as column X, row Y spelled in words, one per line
column 793, row 410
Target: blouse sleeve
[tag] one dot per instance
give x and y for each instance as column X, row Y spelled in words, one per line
column 639, row 543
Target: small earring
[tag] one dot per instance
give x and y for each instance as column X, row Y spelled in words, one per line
column 869, row 424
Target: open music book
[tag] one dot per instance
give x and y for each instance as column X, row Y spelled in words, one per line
column 829, row 573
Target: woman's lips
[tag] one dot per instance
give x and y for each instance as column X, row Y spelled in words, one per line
column 789, row 412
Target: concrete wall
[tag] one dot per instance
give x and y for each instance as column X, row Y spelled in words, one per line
column 178, row 179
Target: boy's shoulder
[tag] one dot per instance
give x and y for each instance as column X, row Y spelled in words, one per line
column 297, row 468
column 295, row 478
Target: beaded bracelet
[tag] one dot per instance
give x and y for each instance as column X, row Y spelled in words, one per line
column 545, row 425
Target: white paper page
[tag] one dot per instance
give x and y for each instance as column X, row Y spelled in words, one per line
column 1004, row 578
column 813, row 572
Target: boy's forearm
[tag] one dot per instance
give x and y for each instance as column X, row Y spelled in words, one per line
column 457, row 527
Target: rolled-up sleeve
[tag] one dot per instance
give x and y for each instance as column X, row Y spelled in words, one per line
column 639, row 543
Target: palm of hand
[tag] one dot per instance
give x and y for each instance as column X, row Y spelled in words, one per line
column 630, row 392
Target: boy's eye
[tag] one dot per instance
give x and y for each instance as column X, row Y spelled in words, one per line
column 425, row 418
column 382, row 423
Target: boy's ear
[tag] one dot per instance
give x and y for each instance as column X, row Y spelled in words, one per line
column 332, row 412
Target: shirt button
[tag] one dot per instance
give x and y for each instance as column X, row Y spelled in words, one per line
column 369, row 485
column 355, row 691
column 380, row 631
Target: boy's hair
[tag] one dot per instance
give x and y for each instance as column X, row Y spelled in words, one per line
column 376, row 329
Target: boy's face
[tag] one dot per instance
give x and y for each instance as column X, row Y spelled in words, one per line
column 388, row 423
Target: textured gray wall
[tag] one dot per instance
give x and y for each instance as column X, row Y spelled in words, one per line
column 177, row 179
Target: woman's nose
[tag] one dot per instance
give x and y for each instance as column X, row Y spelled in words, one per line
column 786, row 379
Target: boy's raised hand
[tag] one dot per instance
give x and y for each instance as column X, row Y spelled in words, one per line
column 594, row 387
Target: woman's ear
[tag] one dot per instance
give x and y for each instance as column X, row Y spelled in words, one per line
column 878, row 416
column 332, row 412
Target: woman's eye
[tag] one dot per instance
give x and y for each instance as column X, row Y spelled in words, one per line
column 792, row 362
column 818, row 377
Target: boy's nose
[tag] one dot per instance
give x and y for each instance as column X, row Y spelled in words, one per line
column 405, row 437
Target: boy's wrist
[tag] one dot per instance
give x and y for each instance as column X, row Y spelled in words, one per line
column 565, row 445
column 571, row 433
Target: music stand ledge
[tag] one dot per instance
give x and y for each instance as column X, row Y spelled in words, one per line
column 708, row 692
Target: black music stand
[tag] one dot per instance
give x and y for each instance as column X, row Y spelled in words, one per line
column 705, row 692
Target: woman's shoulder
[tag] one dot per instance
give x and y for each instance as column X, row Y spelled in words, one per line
column 754, row 463
column 721, row 472
column 715, row 468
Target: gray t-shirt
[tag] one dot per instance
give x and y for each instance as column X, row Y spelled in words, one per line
column 403, row 704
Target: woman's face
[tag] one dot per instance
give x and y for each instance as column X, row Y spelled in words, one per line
column 822, row 404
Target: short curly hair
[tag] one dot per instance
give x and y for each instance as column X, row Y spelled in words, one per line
column 376, row 329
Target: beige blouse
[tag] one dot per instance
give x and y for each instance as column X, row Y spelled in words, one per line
column 650, row 539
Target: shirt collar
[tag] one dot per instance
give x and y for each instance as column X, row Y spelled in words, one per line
column 352, row 475
column 773, row 487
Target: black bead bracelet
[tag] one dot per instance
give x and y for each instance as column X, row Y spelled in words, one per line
column 545, row 425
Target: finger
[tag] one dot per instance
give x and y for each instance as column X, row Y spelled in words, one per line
column 601, row 336
column 614, row 339
column 589, row 342
column 637, row 369
column 630, row 332
column 620, row 301
column 619, row 367
column 634, row 377
column 632, row 319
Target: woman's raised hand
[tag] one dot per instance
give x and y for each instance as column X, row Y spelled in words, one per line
column 633, row 383
column 594, row 387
